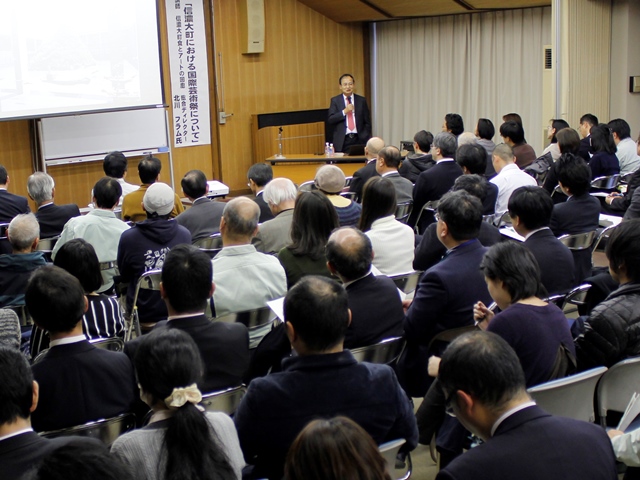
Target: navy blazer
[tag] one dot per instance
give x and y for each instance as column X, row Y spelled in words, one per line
column 12, row 205
column 585, row 148
column 431, row 185
column 265, row 211
column 80, row 383
column 360, row 177
column 443, row 300
column 531, row 444
column 52, row 218
column 554, row 259
column 338, row 121
column 376, row 311
column 224, row 348
column 489, row 203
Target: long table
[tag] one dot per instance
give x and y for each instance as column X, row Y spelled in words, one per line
column 300, row 167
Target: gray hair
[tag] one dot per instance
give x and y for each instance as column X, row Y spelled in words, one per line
column 446, row 142
column 279, row 190
column 467, row 138
column 40, row 186
column 241, row 216
column 23, row 231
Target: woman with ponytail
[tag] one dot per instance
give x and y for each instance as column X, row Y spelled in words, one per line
column 181, row 442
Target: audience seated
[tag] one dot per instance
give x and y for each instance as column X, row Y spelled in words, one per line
column 275, row 234
column 99, row 227
column 485, row 132
column 145, row 246
column 617, row 204
column 453, row 124
column 430, row 250
column 202, row 219
column 530, row 209
column 626, row 148
column 484, row 385
column 586, row 122
column 472, row 159
column 323, row 380
column 245, row 278
column 20, row 447
column 392, row 240
column 512, row 134
column 334, row 449
column 436, row 181
column 555, row 125
column 387, row 164
column 374, row 303
column 330, row 180
column 509, row 177
column 16, row 267
column 115, row 166
column 186, row 287
column 610, row 331
column 51, row 217
column 259, row 175
column 103, row 318
column 360, row 176
column 568, row 142
column 77, row 382
column 446, row 293
column 604, row 162
column 149, row 172
column 180, row 441
column 314, row 218
column 419, row 161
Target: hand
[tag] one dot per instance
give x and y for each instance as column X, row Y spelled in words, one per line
column 348, row 108
column 434, row 366
column 406, row 304
column 482, row 315
column 609, row 198
column 611, row 433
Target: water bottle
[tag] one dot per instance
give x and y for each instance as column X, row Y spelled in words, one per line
column 332, row 150
column 326, row 149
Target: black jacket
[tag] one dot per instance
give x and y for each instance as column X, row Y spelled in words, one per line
column 415, row 164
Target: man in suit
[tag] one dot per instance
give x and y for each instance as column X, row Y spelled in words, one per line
column 472, row 158
column 51, row 217
column 530, row 209
column 259, row 175
column 376, row 309
column 275, row 234
column 512, row 134
column 185, row 288
column 436, row 181
column 202, row 219
column 580, row 213
column 430, row 250
column 586, row 122
column 20, row 447
column 387, row 166
column 78, row 382
column 446, row 292
column 10, row 206
column 322, row 381
column 485, row 389
column 349, row 117
column 509, row 176
column 360, row 176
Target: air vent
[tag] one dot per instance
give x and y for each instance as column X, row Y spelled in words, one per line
column 548, row 58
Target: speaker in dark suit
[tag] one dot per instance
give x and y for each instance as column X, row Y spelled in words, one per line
column 52, row 218
column 349, row 118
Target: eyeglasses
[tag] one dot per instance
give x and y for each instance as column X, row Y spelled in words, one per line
column 436, row 216
column 448, row 407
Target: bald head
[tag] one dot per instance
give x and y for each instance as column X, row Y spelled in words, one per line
column 374, row 145
column 239, row 221
column 349, row 253
column 502, row 156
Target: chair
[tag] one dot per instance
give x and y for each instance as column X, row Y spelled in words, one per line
column 407, row 282
column 118, row 212
column 624, row 179
column 556, row 299
column 430, row 207
column 604, row 233
column 347, row 183
column 606, row 183
column 617, row 386
column 576, row 296
column 113, row 344
column 22, row 312
column 349, row 195
column 502, row 219
column 384, row 352
column 389, row 452
column 212, row 241
column 403, row 211
column 570, row 396
column 448, row 336
column 578, row 241
column 46, row 244
column 106, row 430
column 307, row 186
column 259, row 321
column 148, row 281
column 225, row 401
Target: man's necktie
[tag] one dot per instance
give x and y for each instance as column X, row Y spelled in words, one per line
column 351, row 123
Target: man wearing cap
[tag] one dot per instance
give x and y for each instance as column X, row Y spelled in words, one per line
column 145, row 246
column 330, row 181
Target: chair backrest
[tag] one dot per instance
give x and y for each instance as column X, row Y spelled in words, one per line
column 500, row 220
column 47, row 244
column 626, row 177
column 578, row 241
column 113, row 344
column 606, row 183
column 556, row 299
column 576, row 296
column 347, row 183
column 259, row 322
column 207, row 243
column 106, row 430
column 148, row 281
column 617, row 386
column 3, row 230
column 407, row 282
column 430, row 208
column 570, row 396
column 307, row 186
column 349, row 195
column 383, row 352
column 118, row 212
column 403, row 211
column 448, row 336
column 389, row 452
column 108, row 265
column 225, row 401
column 604, row 233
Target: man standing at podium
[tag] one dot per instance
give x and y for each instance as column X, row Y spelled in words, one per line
column 349, row 117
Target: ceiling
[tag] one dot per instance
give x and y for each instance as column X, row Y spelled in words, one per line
column 344, row 11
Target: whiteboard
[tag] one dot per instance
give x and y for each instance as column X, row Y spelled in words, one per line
column 90, row 137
